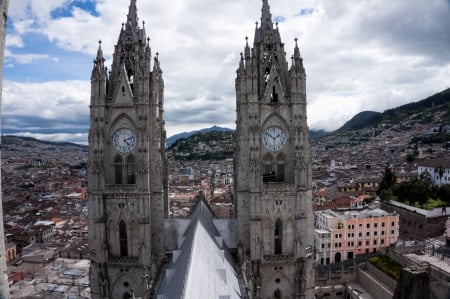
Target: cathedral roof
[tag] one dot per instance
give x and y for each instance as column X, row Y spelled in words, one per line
column 202, row 266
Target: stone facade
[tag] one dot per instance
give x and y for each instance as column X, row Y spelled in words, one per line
column 273, row 190
column 127, row 167
column 418, row 224
column 4, row 286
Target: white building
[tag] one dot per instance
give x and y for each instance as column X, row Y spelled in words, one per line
column 438, row 169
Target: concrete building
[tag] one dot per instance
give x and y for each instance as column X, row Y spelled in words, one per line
column 438, row 171
column 273, row 188
column 343, row 235
column 127, row 167
column 4, row 286
column 416, row 223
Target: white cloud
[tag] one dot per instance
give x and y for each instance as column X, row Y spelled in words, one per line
column 358, row 55
column 59, row 107
column 26, row 58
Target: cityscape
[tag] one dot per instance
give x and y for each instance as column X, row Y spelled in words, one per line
column 270, row 209
column 46, row 182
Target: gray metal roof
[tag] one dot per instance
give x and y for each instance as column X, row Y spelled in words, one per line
column 201, row 267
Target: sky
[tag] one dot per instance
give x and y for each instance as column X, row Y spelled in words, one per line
column 359, row 55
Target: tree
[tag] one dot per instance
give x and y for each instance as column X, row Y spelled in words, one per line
column 386, row 194
column 421, row 190
column 402, row 191
column 444, row 193
column 388, row 180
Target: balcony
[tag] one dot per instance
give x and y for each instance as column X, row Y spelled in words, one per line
column 120, row 189
column 278, row 259
column 278, row 188
column 124, row 261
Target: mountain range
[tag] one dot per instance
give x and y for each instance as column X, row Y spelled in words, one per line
column 171, row 140
column 422, row 111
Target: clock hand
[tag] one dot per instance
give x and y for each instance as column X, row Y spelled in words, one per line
column 127, row 140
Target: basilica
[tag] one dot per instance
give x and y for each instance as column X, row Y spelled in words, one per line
column 266, row 251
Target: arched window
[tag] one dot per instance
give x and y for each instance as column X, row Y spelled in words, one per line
column 118, row 170
column 123, row 239
column 278, row 237
column 337, row 257
column 274, row 95
column 277, row 294
column 131, row 170
column 280, row 168
column 268, row 171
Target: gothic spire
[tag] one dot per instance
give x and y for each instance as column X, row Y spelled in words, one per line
column 297, row 60
column 297, row 50
column 100, row 51
column 132, row 18
column 266, row 18
column 99, row 62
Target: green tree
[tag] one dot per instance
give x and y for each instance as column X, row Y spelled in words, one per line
column 421, row 190
column 388, row 180
column 444, row 193
column 402, row 191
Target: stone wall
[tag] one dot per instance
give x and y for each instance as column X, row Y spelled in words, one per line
column 374, row 286
column 415, row 226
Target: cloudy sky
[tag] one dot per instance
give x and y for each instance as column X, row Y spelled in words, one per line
column 358, row 54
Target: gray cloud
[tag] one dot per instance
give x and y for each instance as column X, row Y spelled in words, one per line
column 359, row 55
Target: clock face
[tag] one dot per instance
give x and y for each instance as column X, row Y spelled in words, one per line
column 274, row 139
column 124, row 140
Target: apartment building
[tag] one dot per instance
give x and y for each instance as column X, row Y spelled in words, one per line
column 342, row 235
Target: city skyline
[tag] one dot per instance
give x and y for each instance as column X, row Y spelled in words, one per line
column 358, row 56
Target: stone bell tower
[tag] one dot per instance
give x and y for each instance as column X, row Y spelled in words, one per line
column 273, row 168
column 127, row 167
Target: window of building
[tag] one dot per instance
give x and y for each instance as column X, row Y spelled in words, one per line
column 382, row 232
column 382, row 241
column 374, row 242
column 277, row 294
column 393, row 223
column 375, row 224
column 280, row 167
column 367, row 234
column 123, row 239
column 131, row 170
column 392, row 232
column 367, row 243
column 269, row 172
column 278, row 237
column 368, row 225
column 382, row 224
column 375, row 233
column 118, row 170
column 360, row 234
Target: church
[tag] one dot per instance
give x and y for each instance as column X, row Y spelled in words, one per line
column 135, row 250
